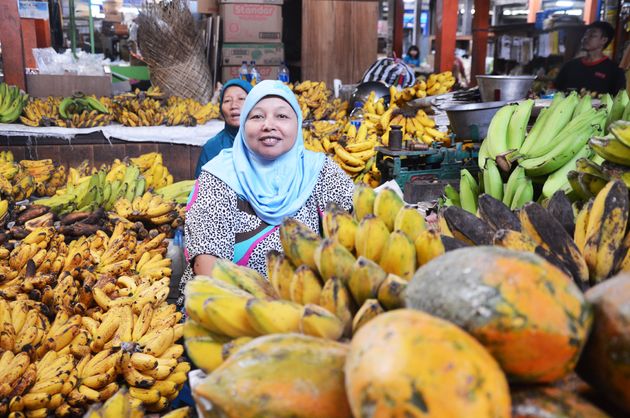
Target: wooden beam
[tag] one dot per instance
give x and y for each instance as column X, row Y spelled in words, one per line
column 480, row 25
column 399, row 11
column 11, row 39
column 591, row 11
column 29, row 41
column 446, row 24
column 534, row 7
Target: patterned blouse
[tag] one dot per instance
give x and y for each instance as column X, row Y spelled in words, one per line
column 218, row 220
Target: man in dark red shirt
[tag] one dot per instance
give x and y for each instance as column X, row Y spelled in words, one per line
column 595, row 71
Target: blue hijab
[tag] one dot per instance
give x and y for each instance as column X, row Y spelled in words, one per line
column 276, row 189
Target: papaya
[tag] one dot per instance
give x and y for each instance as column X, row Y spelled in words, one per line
column 605, row 362
column 406, row 363
column 280, row 376
column 528, row 313
column 552, row 402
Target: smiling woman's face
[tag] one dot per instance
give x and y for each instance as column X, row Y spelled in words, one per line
column 233, row 99
column 271, row 128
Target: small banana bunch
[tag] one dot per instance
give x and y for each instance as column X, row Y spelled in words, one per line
column 201, row 113
column 4, row 212
column 153, row 170
column 41, row 112
column 179, row 114
column 313, row 98
column 81, row 111
column 153, row 208
column 122, row 405
column 46, row 177
column 138, row 110
column 12, row 101
column 23, row 186
column 614, row 147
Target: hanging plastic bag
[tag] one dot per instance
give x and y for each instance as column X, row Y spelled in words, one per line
column 391, row 71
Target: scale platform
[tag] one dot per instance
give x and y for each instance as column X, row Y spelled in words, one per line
column 422, row 174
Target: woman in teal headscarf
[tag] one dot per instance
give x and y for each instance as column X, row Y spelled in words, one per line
column 232, row 98
column 242, row 195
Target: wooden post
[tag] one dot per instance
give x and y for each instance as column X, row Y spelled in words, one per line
column 11, row 39
column 534, row 7
column 590, row 11
column 479, row 40
column 446, row 24
column 399, row 11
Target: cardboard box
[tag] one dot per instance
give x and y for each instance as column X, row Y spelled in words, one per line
column 207, row 6
column 263, row 54
column 113, row 17
column 280, row 2
column 251, row 22
column 43, row 85
column 267, row 72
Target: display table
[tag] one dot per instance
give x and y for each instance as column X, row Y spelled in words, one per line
column 180, row 146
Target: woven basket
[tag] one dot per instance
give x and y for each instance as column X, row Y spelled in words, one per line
column 173, row 48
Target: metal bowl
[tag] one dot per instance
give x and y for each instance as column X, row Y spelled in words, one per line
column 471, row 121
column 504, row 87
column 363, row 90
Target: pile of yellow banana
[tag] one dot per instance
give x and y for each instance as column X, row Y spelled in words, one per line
column 111, row 323
column 416, row 128
column 314, row 100
column 326, row 287
column 435, row 84
column 122, row 405
column 41, row 112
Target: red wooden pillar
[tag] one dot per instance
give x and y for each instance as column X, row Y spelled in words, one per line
column 590, row 11
column 11, row 39
column 534, row 7
column 399, row 11
column 480, row 26
column 446, row 33
column 29, row 41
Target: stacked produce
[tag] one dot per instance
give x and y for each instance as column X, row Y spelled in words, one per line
column 81, row 317
column 12, row 101
column 190, row 112
column 590, row 246
column 151, row 167
column 435, row 84
column 325, row 287
column 514, row 160
column 314, row 99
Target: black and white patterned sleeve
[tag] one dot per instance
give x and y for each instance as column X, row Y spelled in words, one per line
column 334, row 186
column 210, row 218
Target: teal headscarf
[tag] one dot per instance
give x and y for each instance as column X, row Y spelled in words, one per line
column 276, row 189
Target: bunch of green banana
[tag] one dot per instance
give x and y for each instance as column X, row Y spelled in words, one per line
column 468, row 191
column 176, row 192
column 80, row 111
column 12, row 101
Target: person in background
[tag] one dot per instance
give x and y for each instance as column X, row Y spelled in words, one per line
column 594, row 72
column 243, row 195
column 232, row 98
column 413, row 56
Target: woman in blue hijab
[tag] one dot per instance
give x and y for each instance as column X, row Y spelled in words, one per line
column 243, row 195
column 232, row 98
